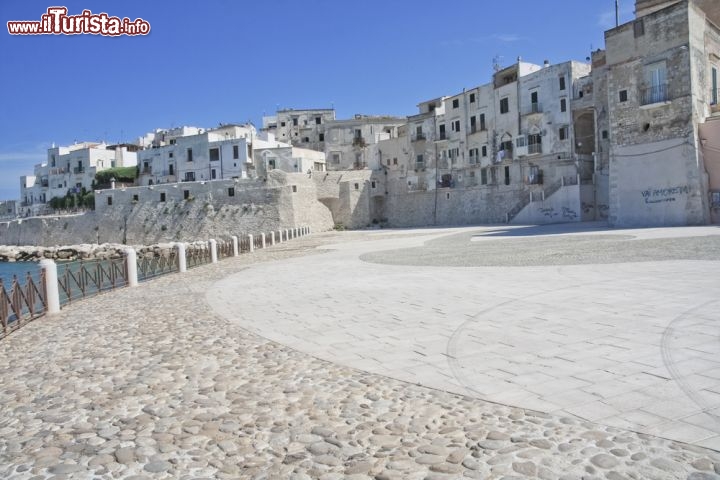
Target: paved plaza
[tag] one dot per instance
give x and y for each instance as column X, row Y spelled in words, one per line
column 620, row 327
column 559, row 353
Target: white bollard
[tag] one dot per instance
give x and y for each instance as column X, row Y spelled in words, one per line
column 252, row 247
column 52, row 302
column 182, row 259
column 213, row 250
column 272, row 238
column 309, row 230
column 131, row 259
column 262, row 238
column 287, row 234
column 235, row 245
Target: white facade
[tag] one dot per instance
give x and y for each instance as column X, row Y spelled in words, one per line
column 221, row 153
column 69, row 170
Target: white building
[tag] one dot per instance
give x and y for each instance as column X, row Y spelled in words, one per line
column 70, row 169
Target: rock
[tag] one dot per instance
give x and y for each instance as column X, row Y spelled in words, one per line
column 619, row 452
column 636, row 457
column 491, row 444
column 447, row 468
column 65, row 468
column 125, row 455
column 603, row 460
column 525, row 468
column 541, row 443
column 495, row 435
column 430, row 459
column 433, row 450
column 458, row 455
column 702, row 464
column 667, row 465
column 329, row 460
column 702, row 476
column 157, row 466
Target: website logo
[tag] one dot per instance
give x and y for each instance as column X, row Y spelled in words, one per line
column 57, row 22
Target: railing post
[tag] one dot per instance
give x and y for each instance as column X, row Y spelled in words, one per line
column 52, row 301
column 287, row 234
column 235, row 245
column 213, row 250
column 252, row 246
column 562, row 181
column 262, row 239
column 131, row 259
column 272, row 238
column 309, row 231
column 182, row 258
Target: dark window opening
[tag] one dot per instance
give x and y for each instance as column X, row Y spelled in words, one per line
column 231, row 191
column 189, row 155
column 504, row 105
column 507, row 175
column 186, row 194
column 236, row 152
column 136, row 198
column 318, row 120
column 109, row 201
column 357, row 186
column 482, row 122
column 472, row 98
column 562, row 83
column 639, row 28
column 456, row 103
column 623, row 95
column 604, row 134
column 214, row 154
column 294, row 188
column 162, row 196
column 563, row 105
column 322, row 137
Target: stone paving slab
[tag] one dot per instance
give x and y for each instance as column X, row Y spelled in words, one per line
column 148, row 383
column 605, row 341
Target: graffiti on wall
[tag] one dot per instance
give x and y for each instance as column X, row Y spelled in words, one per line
column 662, row 195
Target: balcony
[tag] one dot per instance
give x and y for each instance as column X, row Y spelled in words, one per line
column 419, row 166
column 79, row 170
column 418, row 137
column 534, row 107
column 146, row 170
column 654, row 94
column 534, row 148
column 359, row 142
column 443, row 136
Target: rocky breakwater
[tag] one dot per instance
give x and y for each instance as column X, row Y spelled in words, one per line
column 105, row 251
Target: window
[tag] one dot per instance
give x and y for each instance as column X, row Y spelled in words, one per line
column 372, row 184
column 321, row 137
column 442, row 132
column 483, row 176
column 520, row 141
column 484, row 150
column 336, row 158
column 563, row 133
column 420, row 161
column 482, row 122
column 214, row 154
column 562, row 83
column 294, row 188
column 455, row 126
column 306, row 139
column 473, row 124
column 162, row 196
column 507, row 175
column 472, row 98
column 395, row 161
column 563, row 105
column 109, row 200
column 295, row 122
column 714, row 83
column 136, row 197
column 387, row 162
column 357, row 186
column 656, row 84
column 639, row 28
column 236, row 152
column 231, row 191
column 189, row 176
column 504, row 105
column 456, row 103
column 282, row 124
column 358, row 133
column 604, row 134
column 623, row 95
column 189, row 155
column 186, row 194
column 212, row 174
column 318, row 120
column 171, row 169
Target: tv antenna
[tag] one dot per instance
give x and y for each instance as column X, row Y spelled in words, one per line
column 496, row 63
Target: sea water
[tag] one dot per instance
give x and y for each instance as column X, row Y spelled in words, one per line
column 21, row 269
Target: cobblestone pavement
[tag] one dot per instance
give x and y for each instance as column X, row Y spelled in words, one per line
column 151, row 383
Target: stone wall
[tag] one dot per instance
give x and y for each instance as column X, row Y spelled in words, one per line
column 282, row 201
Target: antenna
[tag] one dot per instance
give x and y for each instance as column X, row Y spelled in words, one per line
column 496, row 63
column 617, row 13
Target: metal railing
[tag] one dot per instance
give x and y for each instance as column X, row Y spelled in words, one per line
column 419, row 136
column 654, row 94
column 534, row 107
column 78, row 170
column 197, row 255
column 82, row 279
column 151, row 267
column 22, row 303
column 534, row 148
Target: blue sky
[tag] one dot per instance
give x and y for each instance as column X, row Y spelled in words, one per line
column 233, row 61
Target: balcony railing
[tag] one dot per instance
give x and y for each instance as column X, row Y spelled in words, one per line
column 654, row 94
column 443, row 136
column 534, row 148
column 419, row 165
column 359, row 142
column 78, row 170
column 535, row 107
column 147, row 169
column 473, row 128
